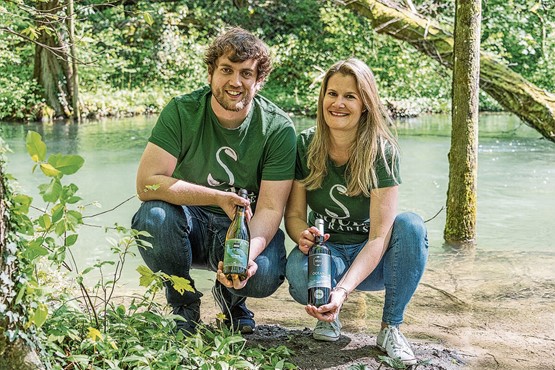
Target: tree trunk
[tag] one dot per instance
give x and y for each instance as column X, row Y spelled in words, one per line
column 533, row 105
column 15, row 354
column 74, row 86
column 460, row 226
column 52, row 69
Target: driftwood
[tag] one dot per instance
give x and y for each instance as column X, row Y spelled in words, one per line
column 535, row 106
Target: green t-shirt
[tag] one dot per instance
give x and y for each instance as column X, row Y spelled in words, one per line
column 261, row 148
column 346, row 219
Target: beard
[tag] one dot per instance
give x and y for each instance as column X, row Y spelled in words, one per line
column 233, row 106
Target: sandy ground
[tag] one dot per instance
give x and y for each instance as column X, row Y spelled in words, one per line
column 479, row 310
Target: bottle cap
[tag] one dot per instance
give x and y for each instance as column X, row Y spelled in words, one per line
column 319, row 223
column 243, row 193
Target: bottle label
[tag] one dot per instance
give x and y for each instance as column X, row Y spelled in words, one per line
column 319, row 271
column 236, row 253
column 319, row 293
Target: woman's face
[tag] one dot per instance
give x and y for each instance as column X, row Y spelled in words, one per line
column 342, row 103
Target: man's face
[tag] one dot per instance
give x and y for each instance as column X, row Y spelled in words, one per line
column 234, row 85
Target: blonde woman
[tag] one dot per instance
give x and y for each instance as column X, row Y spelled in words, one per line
column 347, row 173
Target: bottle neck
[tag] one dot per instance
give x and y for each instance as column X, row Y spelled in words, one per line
column 319, row 239
column 240, row 212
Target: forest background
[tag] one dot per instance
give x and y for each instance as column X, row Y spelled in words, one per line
column 134, row 56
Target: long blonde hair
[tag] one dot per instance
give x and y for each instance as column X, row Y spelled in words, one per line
column 373, row 135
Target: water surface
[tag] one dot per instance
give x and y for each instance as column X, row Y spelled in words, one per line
column 516, row 178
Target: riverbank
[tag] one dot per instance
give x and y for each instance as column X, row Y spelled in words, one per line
column 480, row 310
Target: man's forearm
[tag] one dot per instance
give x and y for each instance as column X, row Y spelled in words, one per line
column 263, row 227
column 179, row 192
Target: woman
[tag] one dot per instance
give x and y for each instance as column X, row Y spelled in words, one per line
column 348, row 174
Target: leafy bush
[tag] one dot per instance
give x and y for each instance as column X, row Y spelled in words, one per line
column 19, row 98
column 79, row 326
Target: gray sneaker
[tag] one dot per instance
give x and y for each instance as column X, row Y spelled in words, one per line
column 327, row 331
column 393, row 342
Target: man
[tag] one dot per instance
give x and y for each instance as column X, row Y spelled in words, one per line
column 204, row 146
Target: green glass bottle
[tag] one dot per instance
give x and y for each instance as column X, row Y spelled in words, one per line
column 237, row 244
column 319, row 269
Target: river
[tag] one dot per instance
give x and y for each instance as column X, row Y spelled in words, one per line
column 516, row 178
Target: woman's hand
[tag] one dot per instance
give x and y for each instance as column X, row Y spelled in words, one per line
column 235, row 282
column 308, row 237
column 330, row 311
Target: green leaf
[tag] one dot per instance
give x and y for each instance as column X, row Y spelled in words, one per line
column 51, row 192
column 66, row 164
column 147, row 276
column 181, row 284
column 35, row 146
column 148, row 18
column 57, row 212
column 35, row 249
column 22, row 203
column 39, row 316
column 49, row 170
column 74, row 217
column 151, row 187
column 20, row 294
column 73, row 199
column 243, row 364
column 44, row 221
column 71, row 239
column 61, row 228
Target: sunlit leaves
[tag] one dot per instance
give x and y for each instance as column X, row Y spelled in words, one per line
column 35, row 249
column 35, row 146
column 181, row 284
column 21, row 203
column 51, row 192
column 148, row 18
column 57, row 164
column 94, row 334
column 71, row 239
column 148, row 277
column 39, row 316
column 151, row 187
column 66, row 164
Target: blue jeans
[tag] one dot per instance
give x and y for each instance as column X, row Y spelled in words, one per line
column 399, row 271
column 184, row 237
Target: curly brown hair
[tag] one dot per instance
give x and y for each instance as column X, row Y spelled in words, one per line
column 239, row 45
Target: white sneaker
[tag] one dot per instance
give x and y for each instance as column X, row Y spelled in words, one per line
column 327, row 331
column 393, row 342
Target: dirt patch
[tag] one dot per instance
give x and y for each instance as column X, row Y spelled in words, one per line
column 483, row 310
column 350, row 350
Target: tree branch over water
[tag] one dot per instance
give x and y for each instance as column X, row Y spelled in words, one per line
column 513, row 92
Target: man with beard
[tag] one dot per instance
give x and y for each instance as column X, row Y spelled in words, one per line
column 204, row 147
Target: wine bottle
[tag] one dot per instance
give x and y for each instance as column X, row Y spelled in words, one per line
column 237, row 243
column 319, row 269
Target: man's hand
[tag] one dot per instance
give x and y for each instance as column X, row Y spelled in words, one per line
column 228, row 201
column 235, row 282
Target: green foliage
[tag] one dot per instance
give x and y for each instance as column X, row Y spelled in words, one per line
column 80, row 326
column 136, row 338
column 135, row 57
column 19, row 98
column 393, row 362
